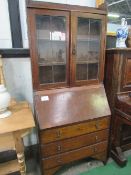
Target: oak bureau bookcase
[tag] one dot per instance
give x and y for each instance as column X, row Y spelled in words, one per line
column 67, row 47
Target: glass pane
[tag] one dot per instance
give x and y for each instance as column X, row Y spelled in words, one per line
column 88, row 48
column 81, row 71
column 59, row 73
column 51, row 43
column 92, row 71
column 45, row 70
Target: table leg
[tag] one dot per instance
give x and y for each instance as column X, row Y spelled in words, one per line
column 116, row 151
column 20, row 151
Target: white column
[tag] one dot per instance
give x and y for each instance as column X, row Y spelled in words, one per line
column 23, row 18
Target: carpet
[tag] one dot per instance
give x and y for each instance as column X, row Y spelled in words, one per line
column 110, row 169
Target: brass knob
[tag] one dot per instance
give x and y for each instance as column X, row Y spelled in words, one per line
column 59, row 148
column 96, row 137
column 58, row 134
column 97, row 125
column 95, row 149
column 74, row 50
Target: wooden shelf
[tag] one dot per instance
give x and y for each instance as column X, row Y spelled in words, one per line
column 9, row 167
column 47, row 40
column 86, row 62
column 60, row 64
column 86, row 38
column 52, row 64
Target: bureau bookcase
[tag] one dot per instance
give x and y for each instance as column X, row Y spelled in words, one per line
column 67, row 47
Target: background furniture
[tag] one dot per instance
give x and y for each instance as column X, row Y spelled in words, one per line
column 117, row 73
column 67, row 47
column 117, row 80
column 12, row 129
column 121, row 119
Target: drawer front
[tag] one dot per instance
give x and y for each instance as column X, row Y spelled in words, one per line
column 55, row 134
column 73, row 143
column 78, row 154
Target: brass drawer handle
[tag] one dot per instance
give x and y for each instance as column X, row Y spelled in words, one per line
column 74, row 50
column 59, row 148
column 58, row 134
column 95, row 149
column 97, row 125
column 96, row 137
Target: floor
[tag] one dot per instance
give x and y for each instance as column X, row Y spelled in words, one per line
column 73, row 169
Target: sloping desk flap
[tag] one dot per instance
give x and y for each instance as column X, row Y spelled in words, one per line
column 70, row 105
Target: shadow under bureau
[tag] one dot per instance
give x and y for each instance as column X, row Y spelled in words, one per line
column 73, row 124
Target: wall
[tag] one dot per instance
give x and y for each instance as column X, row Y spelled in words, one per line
column 18, row 77
column 5, row 33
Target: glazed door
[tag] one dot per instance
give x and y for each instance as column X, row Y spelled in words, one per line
column 87, row 55
column 49, row 31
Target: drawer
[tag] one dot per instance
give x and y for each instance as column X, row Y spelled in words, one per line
column 70, row 156
column 50, row 135
column 73, row 143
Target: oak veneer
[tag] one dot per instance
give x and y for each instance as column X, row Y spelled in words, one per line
column 73, row 143
column 19, row 120
column 73, row 122
column 74, row 130
column 76, row 154
column 9, row 167
column 87, row 136
column 71, row 105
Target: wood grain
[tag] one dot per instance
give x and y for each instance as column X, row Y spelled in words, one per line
column 73, row 143
column 63, row 7
column 7, row 142
column 74, row 155
column 9, row 167
column 68, row 120
column 74, row 130
column 73, row 105
column 19, row 120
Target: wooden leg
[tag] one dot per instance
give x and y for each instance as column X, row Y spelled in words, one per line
column 118, row 156
column 20, row 151
column 101, row 156
column 51, row 171
column 116, row 151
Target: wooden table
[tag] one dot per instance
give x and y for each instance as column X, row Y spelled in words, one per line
column 12, row 129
